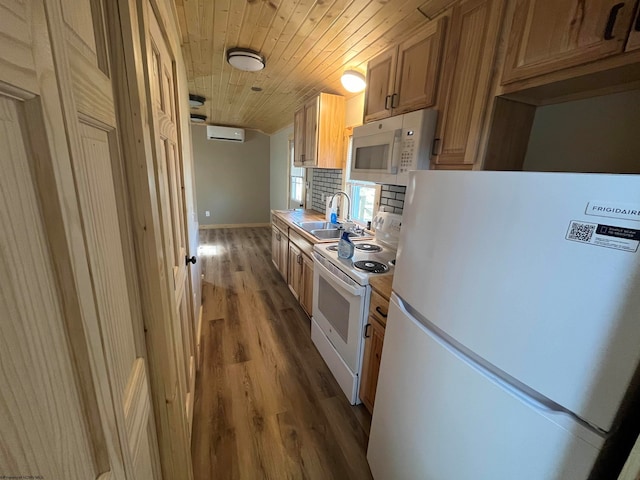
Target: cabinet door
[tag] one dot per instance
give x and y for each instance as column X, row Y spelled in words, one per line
column 549, row 36
column 298, row 137
column 418, row 69
column 275, row 246
column 371, row 366
column 284, row 254
column 311, row 132
column 295, row 270
column 380, row 77
column 306, row 296
column 468, row 65
column 633, row 43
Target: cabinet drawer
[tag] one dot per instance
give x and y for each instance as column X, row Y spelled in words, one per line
column 304, row 245
column 379, row 307
column 281, row 224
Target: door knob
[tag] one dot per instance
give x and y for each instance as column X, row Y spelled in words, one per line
column 190, row 260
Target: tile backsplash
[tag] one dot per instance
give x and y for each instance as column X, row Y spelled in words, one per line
column 392, row 198
column 325, row 181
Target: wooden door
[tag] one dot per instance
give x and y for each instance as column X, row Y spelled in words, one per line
column 549, row 36
column 468, row 64
column 418, row 69
column 380, row 84
column 633, row 42
column 306, row 297
column 76, row 394
column 298, row 138
column 311, row 111
column 169, row 178
column 294, row 277
column 371, row 362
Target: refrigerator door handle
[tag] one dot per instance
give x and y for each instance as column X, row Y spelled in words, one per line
column 497, row 376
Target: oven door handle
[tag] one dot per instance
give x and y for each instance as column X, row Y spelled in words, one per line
column 339, row 284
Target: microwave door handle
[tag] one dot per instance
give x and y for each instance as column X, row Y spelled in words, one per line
column 396, row 152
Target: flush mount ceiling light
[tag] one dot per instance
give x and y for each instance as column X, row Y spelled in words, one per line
column 196, row 100
column 195, row 118
column 245, row 59
column 353, row 81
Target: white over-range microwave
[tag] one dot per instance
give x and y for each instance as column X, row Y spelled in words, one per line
column 386, row 150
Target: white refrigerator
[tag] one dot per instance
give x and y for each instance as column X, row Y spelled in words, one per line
column 514, row 326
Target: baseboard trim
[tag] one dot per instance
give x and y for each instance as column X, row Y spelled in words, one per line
column 234, row 225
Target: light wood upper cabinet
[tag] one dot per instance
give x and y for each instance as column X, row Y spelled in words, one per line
column 380, row 82
column 319, row 132
column 405, row 78
column 633, row 43
column 298, row 137
column 468, row 65
column 548, row 36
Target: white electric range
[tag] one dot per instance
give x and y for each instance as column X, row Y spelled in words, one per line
column 341, row 295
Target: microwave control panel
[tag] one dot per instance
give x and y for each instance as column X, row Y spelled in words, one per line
column 407, row 154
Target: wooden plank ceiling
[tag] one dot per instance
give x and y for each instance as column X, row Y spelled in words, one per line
column 307, row 45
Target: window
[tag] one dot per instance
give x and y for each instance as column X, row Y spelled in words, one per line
column 296, row 181
column 362, row 194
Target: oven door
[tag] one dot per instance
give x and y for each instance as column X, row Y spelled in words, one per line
column 339, row 305
column 376, row 158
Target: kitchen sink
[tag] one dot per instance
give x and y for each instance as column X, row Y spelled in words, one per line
column 328, row 230
column 310, row 226
column 330, row 233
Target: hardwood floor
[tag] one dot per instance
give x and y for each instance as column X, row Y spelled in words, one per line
column 266, row 406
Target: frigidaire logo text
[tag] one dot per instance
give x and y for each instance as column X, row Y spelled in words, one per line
column 617, row 210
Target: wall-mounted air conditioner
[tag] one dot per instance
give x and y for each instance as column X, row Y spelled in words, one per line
column 228, row 134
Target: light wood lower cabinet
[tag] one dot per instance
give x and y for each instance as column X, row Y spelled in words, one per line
column 280, row 250
column 306, row 296
column 374, row 340
column 295, row 270
column 301, row 271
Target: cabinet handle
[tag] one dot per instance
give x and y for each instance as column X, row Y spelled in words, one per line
column 278, row 237
column 386, row 102
column 394, row 97
column 299, row 260
column 611, row 22
column 636, row 27
column 190, row 260
column 435, row 148
column 379, row 310
column 366, row 330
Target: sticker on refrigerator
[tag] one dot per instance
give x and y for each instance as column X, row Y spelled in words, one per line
column 609, row 236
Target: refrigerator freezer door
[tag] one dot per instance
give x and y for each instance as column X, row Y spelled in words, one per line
column 486, row 257
column 439, row 418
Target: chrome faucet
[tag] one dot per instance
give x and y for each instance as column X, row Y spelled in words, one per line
column 348, row 217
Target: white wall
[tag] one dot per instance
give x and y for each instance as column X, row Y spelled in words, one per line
column 278, row 158
column 232, row 179
column 598, row 134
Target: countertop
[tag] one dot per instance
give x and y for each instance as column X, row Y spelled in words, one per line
column 382, row 285
column 299, row 215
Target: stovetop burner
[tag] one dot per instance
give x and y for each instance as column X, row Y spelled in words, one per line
column 333, row 248
column 371, row 266
column 368, row 247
